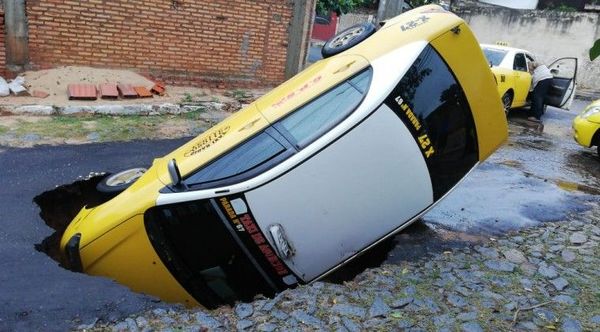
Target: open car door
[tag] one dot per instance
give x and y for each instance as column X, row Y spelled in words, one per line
column 563, row 85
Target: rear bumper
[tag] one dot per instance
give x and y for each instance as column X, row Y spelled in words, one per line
column 583, row 131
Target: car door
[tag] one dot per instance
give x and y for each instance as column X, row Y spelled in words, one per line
column 522, row 79
column 563, row 85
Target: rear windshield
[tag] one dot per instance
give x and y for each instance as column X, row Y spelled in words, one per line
column 433, row 105
column 494, row 56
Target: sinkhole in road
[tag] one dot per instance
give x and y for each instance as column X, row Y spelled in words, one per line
column 61, row 204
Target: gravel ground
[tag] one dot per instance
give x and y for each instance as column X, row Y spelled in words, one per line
column 541, row 278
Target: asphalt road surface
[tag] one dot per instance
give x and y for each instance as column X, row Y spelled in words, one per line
column 535, row 177
column 35, row 293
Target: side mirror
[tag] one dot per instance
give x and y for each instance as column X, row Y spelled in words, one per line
column 554, row 71
column 174, row 174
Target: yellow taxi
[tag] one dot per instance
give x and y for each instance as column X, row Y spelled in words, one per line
column 338, row 158
column 511, row 65
column 586, row 126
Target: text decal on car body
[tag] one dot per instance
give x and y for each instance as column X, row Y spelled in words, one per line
column 298, row 91
column 254, row 240
column 207, row 141
column 231, row 214
column 423, row 138
column 414, row 23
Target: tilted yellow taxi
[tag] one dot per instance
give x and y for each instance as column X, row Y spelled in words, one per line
column 586, row 126
column 343, row 155
column 511, row 70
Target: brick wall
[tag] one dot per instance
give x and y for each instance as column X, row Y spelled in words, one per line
column 220, row 43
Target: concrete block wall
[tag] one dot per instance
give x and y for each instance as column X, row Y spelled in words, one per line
column 547, row 34
column 219, row 43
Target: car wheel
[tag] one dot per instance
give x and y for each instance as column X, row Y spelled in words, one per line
column 117, row 182
column 507, row 102
column 347, row 39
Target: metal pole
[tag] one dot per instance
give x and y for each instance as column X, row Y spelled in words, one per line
column 389, row 9
column 380, row 11
column 15, row 27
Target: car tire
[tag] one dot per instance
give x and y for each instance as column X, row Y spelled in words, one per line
column 507, row 99
column 347, row 39
column 119, row 181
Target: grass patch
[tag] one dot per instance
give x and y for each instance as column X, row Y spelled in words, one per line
column 123, row 128
column 58, row 129
column 55, row 126
column 194, row 115
column 239, row 94
column 187, row 98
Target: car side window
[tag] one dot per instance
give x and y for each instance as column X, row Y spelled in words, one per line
column 520, row 64
column 529, row 58
column 494, row 56
column 317, row 117
column 250, row 155
column 285, row 138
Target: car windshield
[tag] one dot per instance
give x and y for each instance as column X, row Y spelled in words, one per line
column 202, row 254
column 494, row 56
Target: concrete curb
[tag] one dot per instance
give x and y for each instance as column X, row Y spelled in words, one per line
column 133, row 109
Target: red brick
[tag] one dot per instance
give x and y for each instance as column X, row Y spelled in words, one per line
column 82, row 92
column 142, row 92
column 109, row 91
column 127, row 91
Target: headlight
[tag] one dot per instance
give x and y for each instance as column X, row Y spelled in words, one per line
column 589, row 112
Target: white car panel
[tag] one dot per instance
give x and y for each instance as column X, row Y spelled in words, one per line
column 320, row 218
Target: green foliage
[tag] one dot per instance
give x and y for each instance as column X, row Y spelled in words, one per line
column 240, row 94
column 595, row 50
column 563, row 8
column 324, row 7
column 417, row 3
column 187, row 98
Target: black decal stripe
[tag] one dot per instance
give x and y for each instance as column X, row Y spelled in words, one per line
column 229, row 227
column 253, row 248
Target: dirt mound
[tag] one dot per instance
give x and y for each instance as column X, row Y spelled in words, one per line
column 55, row 81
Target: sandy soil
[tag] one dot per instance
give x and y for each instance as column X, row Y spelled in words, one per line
column 55, row 82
